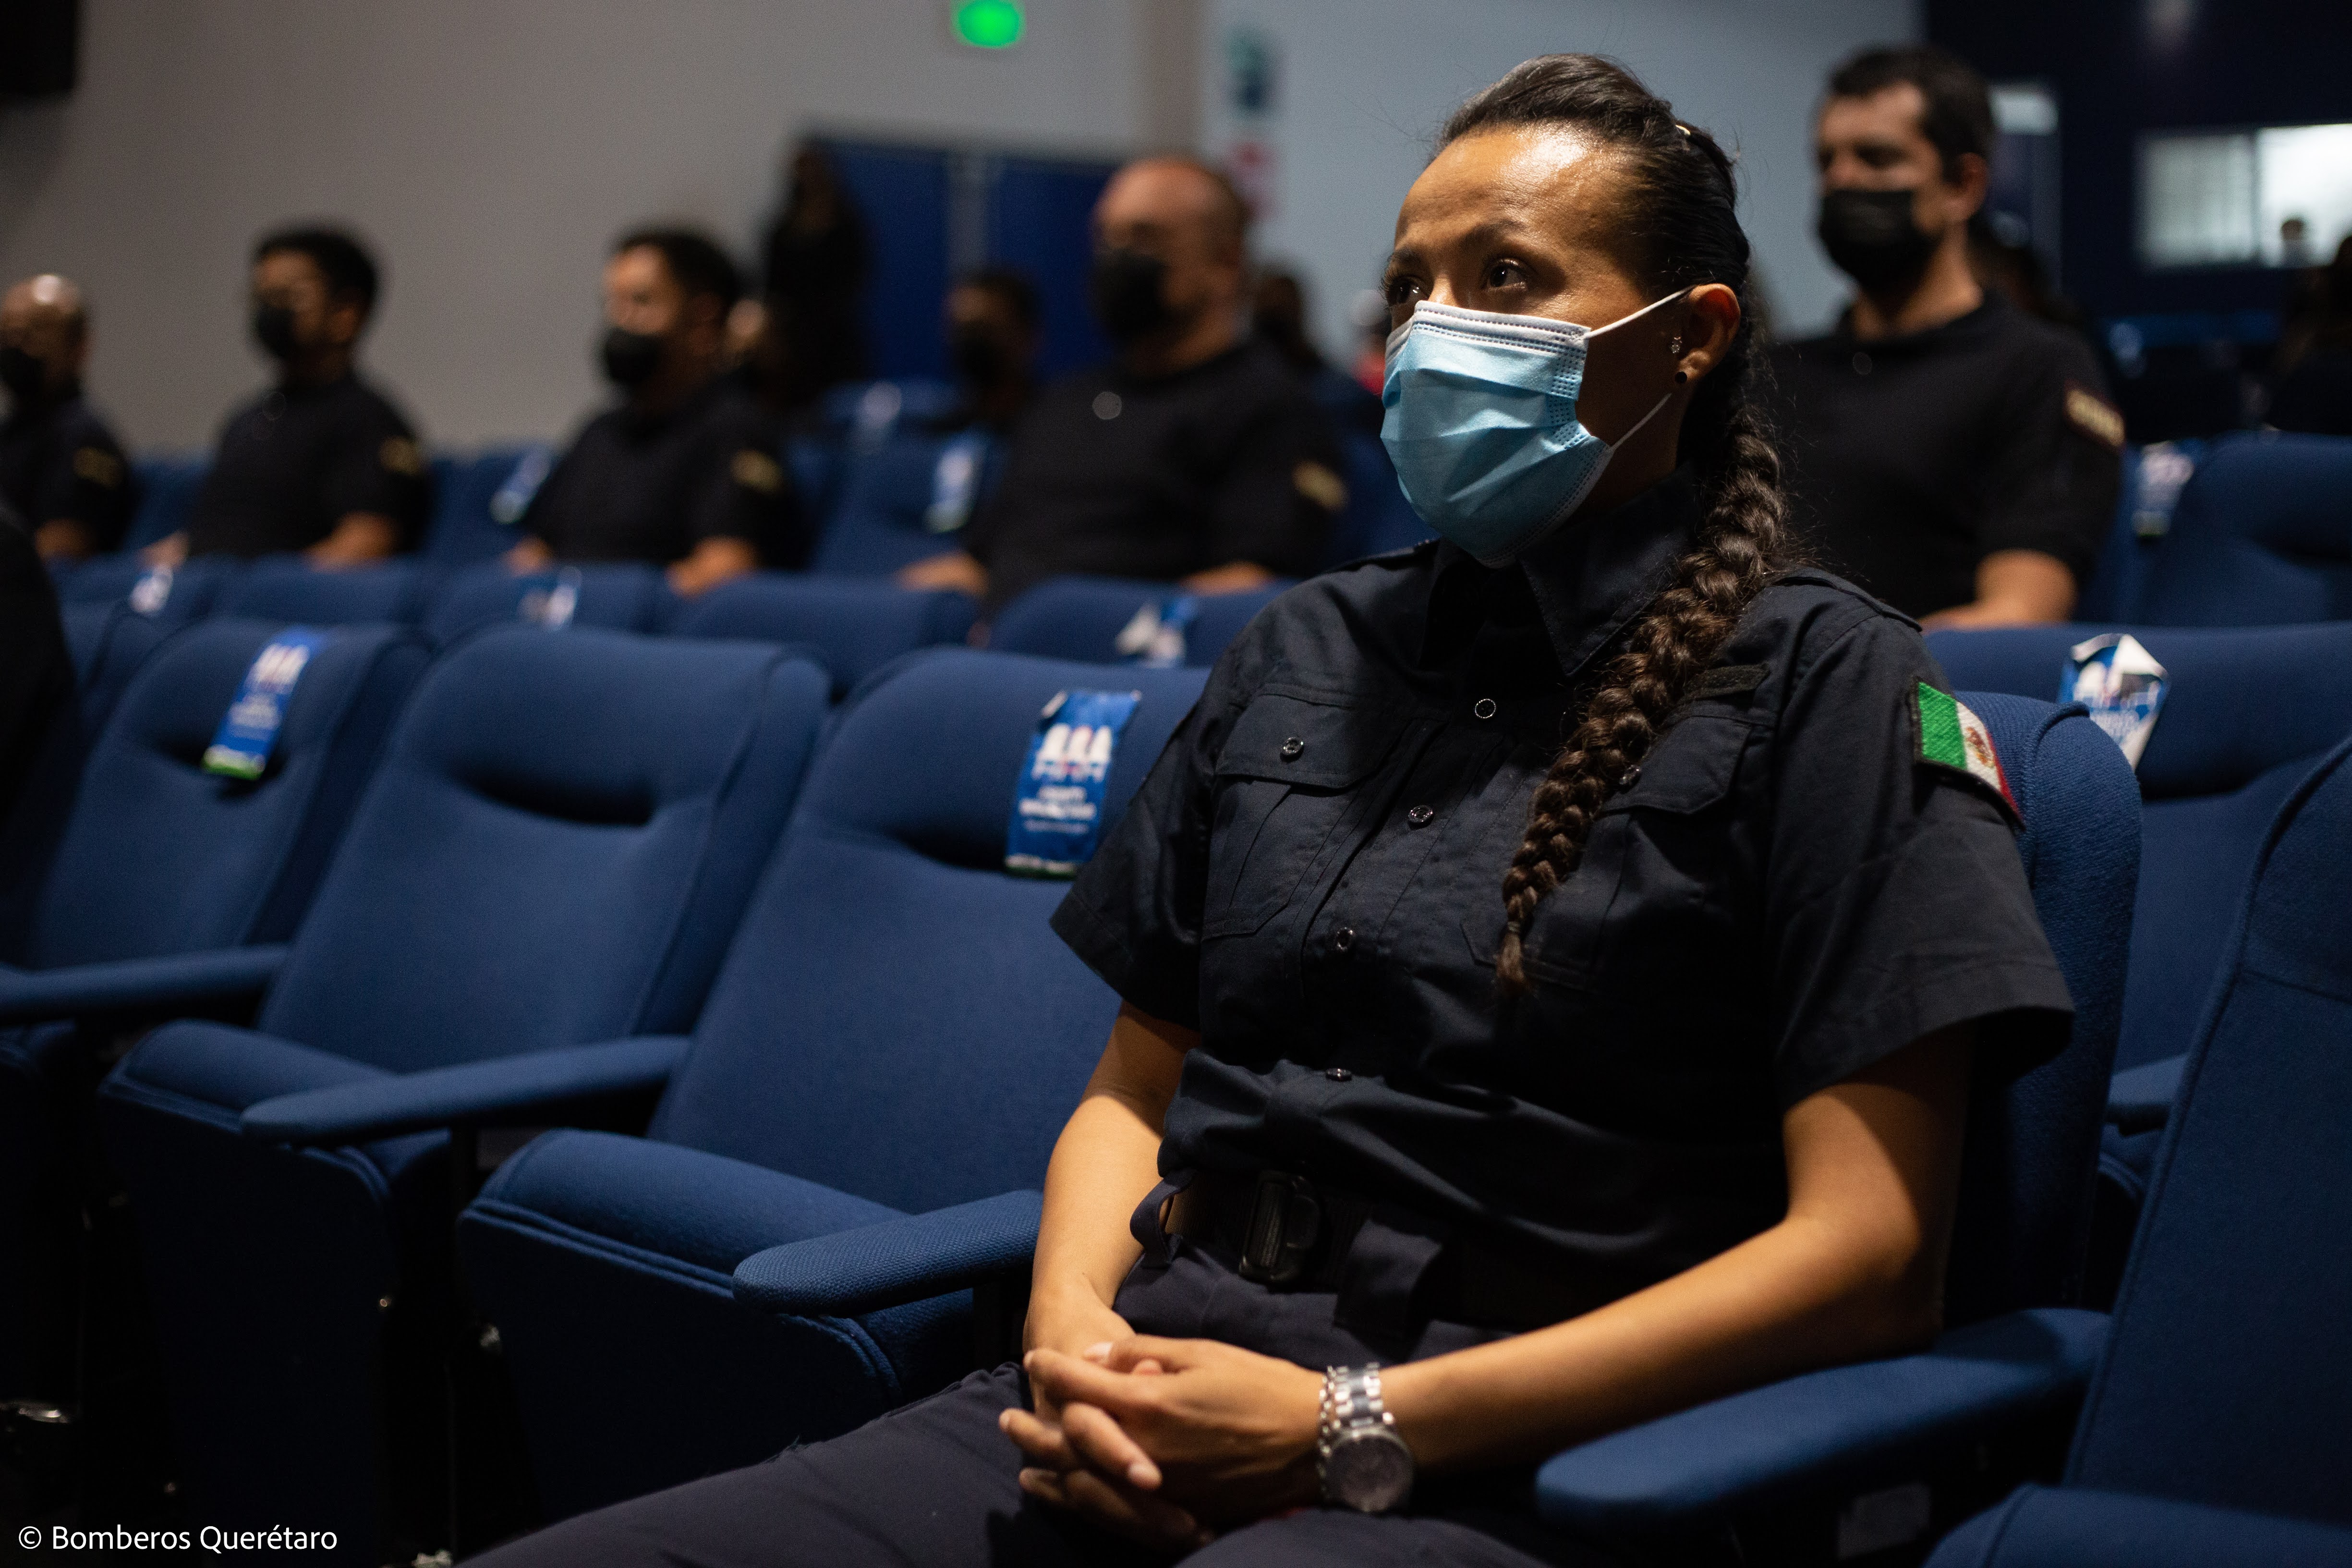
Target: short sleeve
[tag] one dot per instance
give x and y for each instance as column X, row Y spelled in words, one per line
column 377, row 466
column 1274, row 504
column 1134, row 912
column 2056, row 463
column 1895, row 902
column 749, row 494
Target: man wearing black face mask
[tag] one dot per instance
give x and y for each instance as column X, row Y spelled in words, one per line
column 687, row 473
column 1946, row 451
column 322, row 463
column 60, row 469
column 1194, row 458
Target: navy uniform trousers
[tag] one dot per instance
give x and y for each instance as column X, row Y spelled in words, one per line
column 935, row 1485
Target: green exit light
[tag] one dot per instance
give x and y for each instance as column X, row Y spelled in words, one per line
column 989, row 24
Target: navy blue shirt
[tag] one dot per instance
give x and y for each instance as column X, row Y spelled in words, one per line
column 1782, row 895
column 60, row 463
column 297, row 460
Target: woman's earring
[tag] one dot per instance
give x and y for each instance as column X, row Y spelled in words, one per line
column 1675, row 348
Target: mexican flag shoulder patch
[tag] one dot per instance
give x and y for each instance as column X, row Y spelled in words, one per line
column 1953, row 738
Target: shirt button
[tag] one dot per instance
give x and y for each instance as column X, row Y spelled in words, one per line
column 1483, row 708
column 1419, row 815
column 1292, row 748
column 1862, row 364
column 1343, row 938
column 1107, row 405
column 1338, row 1075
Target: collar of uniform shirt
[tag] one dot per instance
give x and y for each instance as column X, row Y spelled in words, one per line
column 1588, row 579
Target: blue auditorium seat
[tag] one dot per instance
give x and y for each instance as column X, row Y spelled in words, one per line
column 2014, row 1349
column 874, row 1087
column 172, row 596
column 2263, row 536
column 167, row 492
column 853, row 627
column 1081, row 618
column 164, row 887
column 478, row 500
column 108, row 643
column 2213, row 1433
column 288, row 588
column 1377, row 518
column 553, row 854
column 621, row 597
column 879, row 519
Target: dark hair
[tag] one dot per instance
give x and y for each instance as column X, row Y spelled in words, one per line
column 1958, row 116
column 702, row 270
column 1680, row 230
column 349, row 272
column 1012, row 288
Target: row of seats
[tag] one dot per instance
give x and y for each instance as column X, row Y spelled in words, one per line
column 555, row 847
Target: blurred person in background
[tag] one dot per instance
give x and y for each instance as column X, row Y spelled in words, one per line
column 61, row 469
column 992, row 319
column 1948, row 452
column 36, row 674
column 814, row 271
column 321, row 463
column 1194, row 457
column 686, row 471
column 1278, row 318
column 2010, row 266
column 2315, row 355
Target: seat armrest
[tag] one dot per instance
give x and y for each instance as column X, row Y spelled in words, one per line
column 534, row 1085
column 2140, row 1098
column 897, row 1261
column 1845, row 1429
column 136, row 984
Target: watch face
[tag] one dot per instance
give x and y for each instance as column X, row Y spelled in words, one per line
column 1369, row 1470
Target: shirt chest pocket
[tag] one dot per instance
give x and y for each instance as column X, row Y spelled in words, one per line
column 1292, row 781
column 1657, row 878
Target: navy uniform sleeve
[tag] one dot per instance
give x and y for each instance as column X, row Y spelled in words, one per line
column 378, row 465
column 1134, row 912
column 749, row 495
column 1895, row 901
column 2056, row 460
column 1274, row 504
column 87, row 480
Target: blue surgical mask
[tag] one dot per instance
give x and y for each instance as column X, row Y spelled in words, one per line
column 1481, row 423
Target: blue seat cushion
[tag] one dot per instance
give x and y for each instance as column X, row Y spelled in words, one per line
column 2074, row 1527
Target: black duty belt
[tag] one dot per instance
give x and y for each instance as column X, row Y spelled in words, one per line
column 1287, row 1232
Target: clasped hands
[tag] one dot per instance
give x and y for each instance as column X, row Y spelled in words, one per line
column 1167, row 1441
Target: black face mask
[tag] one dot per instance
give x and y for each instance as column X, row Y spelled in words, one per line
column 273, row 329
column 1129, row 294
column 1874, row 239
column 980, row 356
column 630, row 359
column 24, row 375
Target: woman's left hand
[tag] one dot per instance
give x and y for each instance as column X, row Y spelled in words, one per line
column 1226, row 1434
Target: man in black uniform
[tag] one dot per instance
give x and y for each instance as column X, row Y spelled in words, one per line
column 686, row 472
column 322, row 463
column 1949, row 453
column 1195, row 457
column 61, row 469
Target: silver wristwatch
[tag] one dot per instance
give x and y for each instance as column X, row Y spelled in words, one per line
column 1362, row 1462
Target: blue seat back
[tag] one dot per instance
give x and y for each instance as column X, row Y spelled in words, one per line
column 896, row 1020
column 879, row 520
column 1377, row 518
column 167, row 493
column 2247, row 715
column 854, row 628
column 108, row 643
column 1081, row 617
column 2228, row 1374
column 2023, row 1221
column 288, row 588
column 2263, row 536
column 555, row 850
column 186, row 594
column 160, row 857
column 470, row 521
column 624, row 597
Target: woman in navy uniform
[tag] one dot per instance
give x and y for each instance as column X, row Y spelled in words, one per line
column 1553, row 967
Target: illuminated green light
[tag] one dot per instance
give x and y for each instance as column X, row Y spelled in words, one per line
column 989, row 24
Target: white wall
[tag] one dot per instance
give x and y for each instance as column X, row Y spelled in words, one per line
column 491, row 149
column 1365, row 84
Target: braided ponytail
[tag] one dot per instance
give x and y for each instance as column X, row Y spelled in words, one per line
column 1681, row 224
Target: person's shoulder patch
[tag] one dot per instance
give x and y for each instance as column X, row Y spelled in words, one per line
column 755, row 470
column 1954, row 739
column 2094, row 416
column 99, row 466
column 1321, row 485
column 400, row 455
